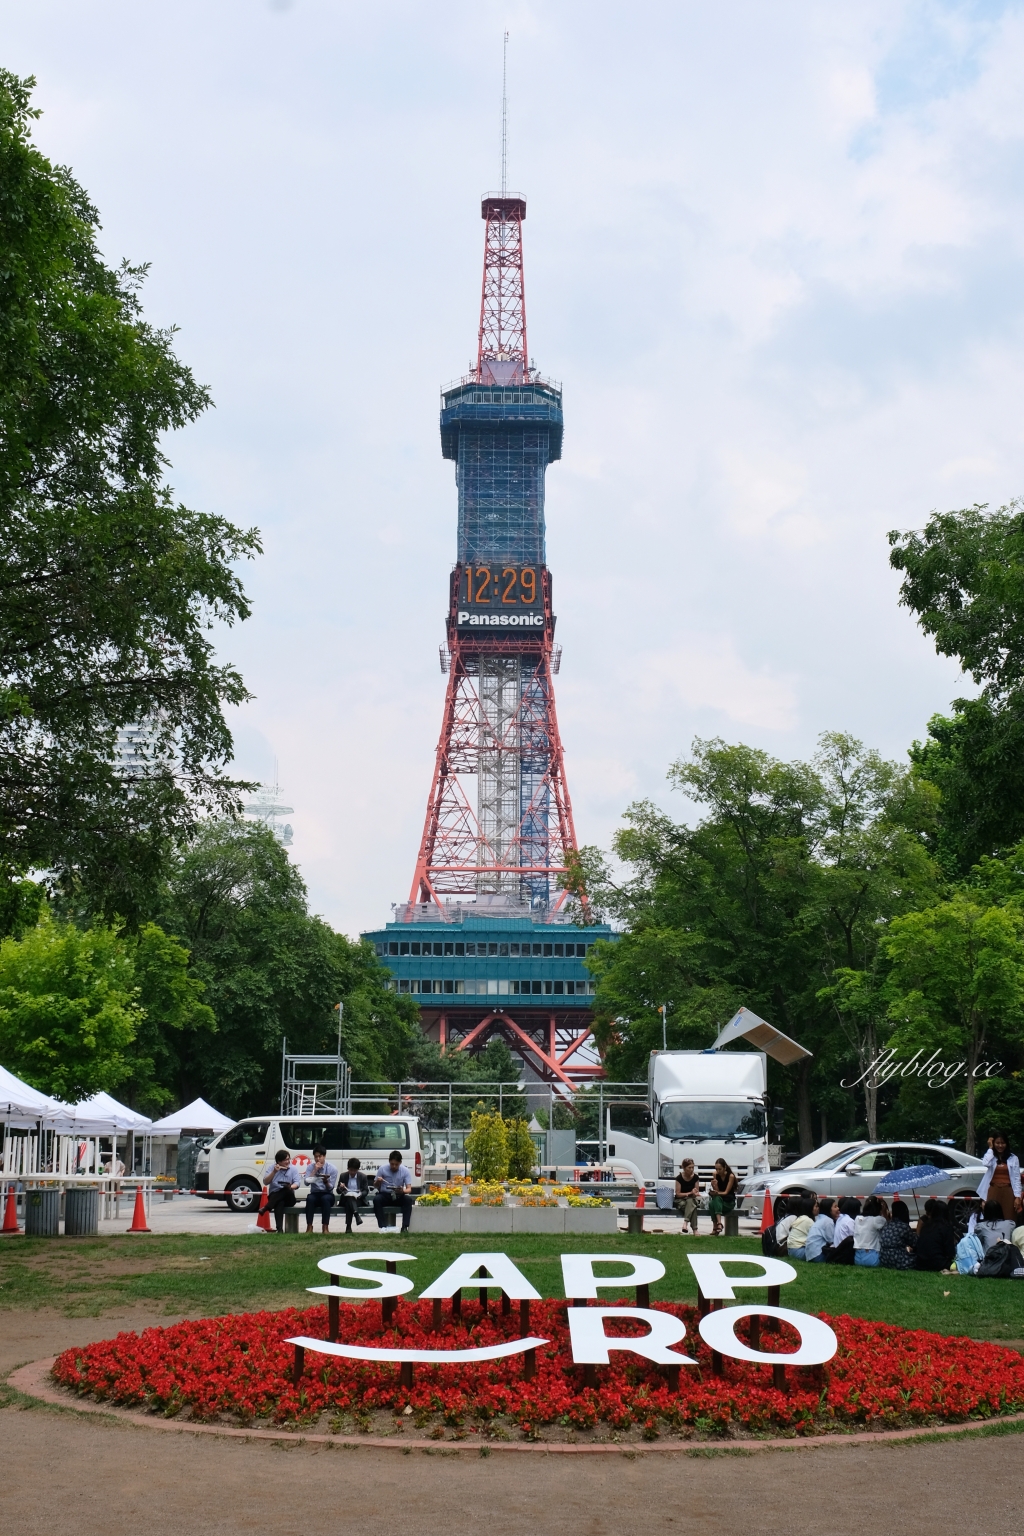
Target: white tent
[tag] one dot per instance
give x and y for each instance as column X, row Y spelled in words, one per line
column 197, row 1116
column 21, row 1105
column 101, row 1108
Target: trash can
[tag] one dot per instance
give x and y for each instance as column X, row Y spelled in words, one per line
column 42, row 1212
column 82, row 1212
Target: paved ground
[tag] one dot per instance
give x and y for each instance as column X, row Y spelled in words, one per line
column 187, row 1213
column 63, row 1473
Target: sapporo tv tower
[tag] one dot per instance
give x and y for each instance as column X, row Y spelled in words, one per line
column 485, row 940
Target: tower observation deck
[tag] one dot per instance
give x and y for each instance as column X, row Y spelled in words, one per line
column 488, row 890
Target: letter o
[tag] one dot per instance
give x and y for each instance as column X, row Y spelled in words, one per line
column 817, row 1341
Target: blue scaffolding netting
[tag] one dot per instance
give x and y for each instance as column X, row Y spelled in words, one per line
column 502, row 441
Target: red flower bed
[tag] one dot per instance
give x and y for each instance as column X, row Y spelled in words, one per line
column 882, row 1376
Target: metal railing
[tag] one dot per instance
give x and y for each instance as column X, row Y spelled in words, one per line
column 444, row 1109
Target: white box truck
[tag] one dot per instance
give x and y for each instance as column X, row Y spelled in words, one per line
column 706, row 1105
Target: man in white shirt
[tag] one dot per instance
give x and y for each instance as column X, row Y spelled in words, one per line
column 282, row 1180
column 393, row 1188
column 322, row 1176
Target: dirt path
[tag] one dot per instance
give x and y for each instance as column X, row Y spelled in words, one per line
column 108, row 1479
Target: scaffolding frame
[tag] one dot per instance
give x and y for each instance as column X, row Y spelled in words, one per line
column 314, row 1084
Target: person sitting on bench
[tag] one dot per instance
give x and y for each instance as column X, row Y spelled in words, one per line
column 393, row 1183
column 321, row 1178
column 282, row 1181
column 352, row 1189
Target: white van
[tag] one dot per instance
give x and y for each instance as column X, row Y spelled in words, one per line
column 237, row 1158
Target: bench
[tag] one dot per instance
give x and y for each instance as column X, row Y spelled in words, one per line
column 635, row 1214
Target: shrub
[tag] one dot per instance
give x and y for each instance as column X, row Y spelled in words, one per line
column 487, row 1148
column 522, row 1154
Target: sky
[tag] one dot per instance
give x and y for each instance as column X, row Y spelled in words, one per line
column 774, row 253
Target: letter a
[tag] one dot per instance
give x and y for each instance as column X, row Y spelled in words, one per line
column 501, row 1274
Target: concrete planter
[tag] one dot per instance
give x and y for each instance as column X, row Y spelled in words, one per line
column 436, row 1218
column 539, row 1218
column 604, row 1219
column 487, row 1218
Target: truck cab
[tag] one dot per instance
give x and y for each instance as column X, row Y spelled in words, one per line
column 700, row 1104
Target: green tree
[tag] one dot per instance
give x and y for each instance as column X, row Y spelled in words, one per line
column 68, row 1008
column 522, row 1154
column 487, row 1147
column 21, row 902
column 272, row 972
column 713, row 914
column 108, row 588
column 975, row 759
column 870, row 864
column 171, row 1009
column 956, row 979
column 787, row 880
column 964, row 579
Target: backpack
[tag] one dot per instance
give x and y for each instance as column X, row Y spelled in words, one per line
column 770, row 1244
column 1000, row 1262
column 969, row 1253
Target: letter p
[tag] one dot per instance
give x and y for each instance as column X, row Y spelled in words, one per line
column 716, row 1285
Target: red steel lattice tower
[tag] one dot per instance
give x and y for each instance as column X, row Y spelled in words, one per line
column 486, row 942
column 502, row 425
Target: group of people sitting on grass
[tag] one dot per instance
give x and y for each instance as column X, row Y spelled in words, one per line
column 873, row 1235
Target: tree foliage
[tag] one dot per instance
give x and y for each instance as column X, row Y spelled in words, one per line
column 522, row 1154
column 957, row 977
column 782, row 885
column 487, row 1147
column 271, row 972
column 964, row 579
column 69, row 1008
column 108, row 588
column 975, row 759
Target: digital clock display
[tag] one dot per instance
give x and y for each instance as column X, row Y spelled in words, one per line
column 499, row 596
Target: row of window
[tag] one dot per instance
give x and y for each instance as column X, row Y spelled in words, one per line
column 504, row 397
column 500, row 988
column 421, row 947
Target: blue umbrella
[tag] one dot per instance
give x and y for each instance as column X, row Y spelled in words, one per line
column 899, row 1179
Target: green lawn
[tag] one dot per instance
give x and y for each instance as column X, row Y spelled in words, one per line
column 179, row 1274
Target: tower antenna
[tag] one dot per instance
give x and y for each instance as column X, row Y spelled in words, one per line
column 504, row 115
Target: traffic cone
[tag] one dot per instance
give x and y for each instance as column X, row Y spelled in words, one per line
column 641, row 1200
column 767, row 1215
column 11, row 1211
column 139, row 1216
column 263, row 1219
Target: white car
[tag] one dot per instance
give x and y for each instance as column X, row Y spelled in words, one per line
column 855, row 1170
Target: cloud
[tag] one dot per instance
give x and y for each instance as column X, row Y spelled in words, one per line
column 775, row 253
column 712, row 679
